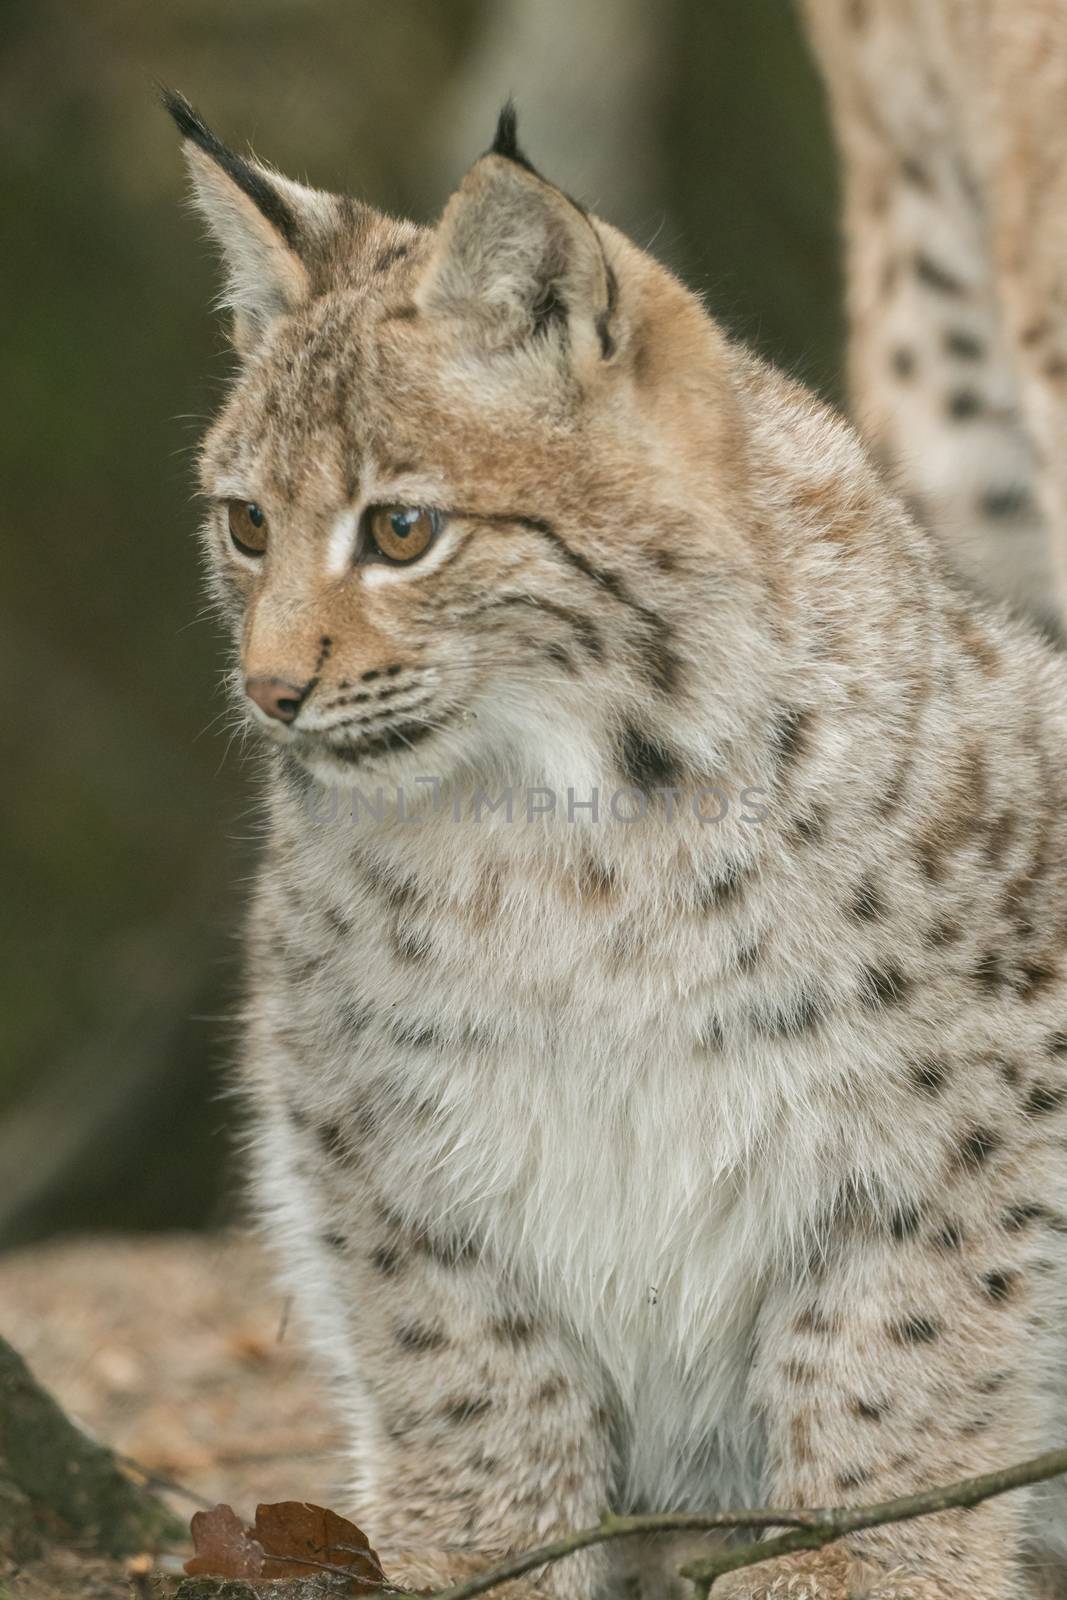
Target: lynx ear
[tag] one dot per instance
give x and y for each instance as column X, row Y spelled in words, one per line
column 517, row 258
column 262, row 223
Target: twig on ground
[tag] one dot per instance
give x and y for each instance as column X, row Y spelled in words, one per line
column 805, row 1530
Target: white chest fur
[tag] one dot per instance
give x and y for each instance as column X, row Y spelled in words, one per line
column 580, row 1117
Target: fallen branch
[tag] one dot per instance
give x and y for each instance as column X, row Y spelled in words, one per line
column 57, row 1480
column 805, row 1530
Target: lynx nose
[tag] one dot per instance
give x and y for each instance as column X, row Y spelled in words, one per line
column 277, row 698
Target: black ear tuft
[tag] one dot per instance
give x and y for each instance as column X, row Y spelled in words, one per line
column 188, row 122
column 506, row 138
column 251, row 180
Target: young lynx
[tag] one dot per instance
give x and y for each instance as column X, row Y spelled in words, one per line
column 952, row 120
column 656, row 1013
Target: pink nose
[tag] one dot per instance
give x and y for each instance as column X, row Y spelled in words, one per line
column 277, row 698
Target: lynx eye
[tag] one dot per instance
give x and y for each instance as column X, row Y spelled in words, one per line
column 248, row 527
column 399, row 534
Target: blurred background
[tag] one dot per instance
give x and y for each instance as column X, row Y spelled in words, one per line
column 129, row 821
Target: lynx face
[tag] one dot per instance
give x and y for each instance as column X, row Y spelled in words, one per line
column 447, row 488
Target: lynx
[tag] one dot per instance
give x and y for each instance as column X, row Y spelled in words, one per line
column 656, row 1017
column 951, row 117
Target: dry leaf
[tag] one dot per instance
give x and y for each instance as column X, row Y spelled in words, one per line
column 290, row 1539
column 224, row 1546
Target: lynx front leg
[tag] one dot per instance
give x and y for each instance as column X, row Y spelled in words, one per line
column 1026, row 62
column 910, row 1360
column 485, row 1432
column 932, row 377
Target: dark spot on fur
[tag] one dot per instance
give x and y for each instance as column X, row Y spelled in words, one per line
column 903, row 362
column 975, row 1148
column 721, row 888
column 552, row 1389
column 868, row 1410
column 1011, row 501
column 943, row 933
column 390, row 256
column 812, row 1320
column 904, row 1222
column 1008, row 1069
column 1033, row 978
column 418, row 1337
column 457, row 1412
column 416, row 1035
column 867, row 905
column 852, row 1480
column 646, row 764
column 386, row 1260
column 597, row 880
column 964, row 404
column 334, row 1141
column 963, row 344
column 915, row 1330
column 340, row 924
column 334, row 1241
column 1056, row 1044
column 949, row 1237
column 930, row 1075
column 790, row 736
column 800, row 1439
column 1018, row 1217
column 513, row 1329
column 809, row 827
column 411, row 944
column 988, row 972
column 992, row 1383
column 749, row 955
column 882, row 986
column 1001, row 832
column 1043, row 1098
column 448, row 1250
column 935, row 276
column 799, row 1373
column 353, row 1017
column 790, row 1020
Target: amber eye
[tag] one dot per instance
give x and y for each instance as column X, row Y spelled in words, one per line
column 248, row 527
column 399, row 533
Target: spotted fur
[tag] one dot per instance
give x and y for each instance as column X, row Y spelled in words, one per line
column 680, row 1153
column 949, row 116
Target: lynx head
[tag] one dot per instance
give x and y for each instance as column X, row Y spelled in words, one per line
column 464, row 476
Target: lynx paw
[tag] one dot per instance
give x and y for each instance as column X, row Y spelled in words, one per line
column 425, row 1571
column 825, row 1575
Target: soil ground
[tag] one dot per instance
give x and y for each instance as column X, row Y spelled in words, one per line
column 178, row 1353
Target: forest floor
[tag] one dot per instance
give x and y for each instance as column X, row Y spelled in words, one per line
column 179, row 1354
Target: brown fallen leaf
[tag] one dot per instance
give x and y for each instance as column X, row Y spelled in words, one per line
column 224, row 1547
column 290, row 1539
